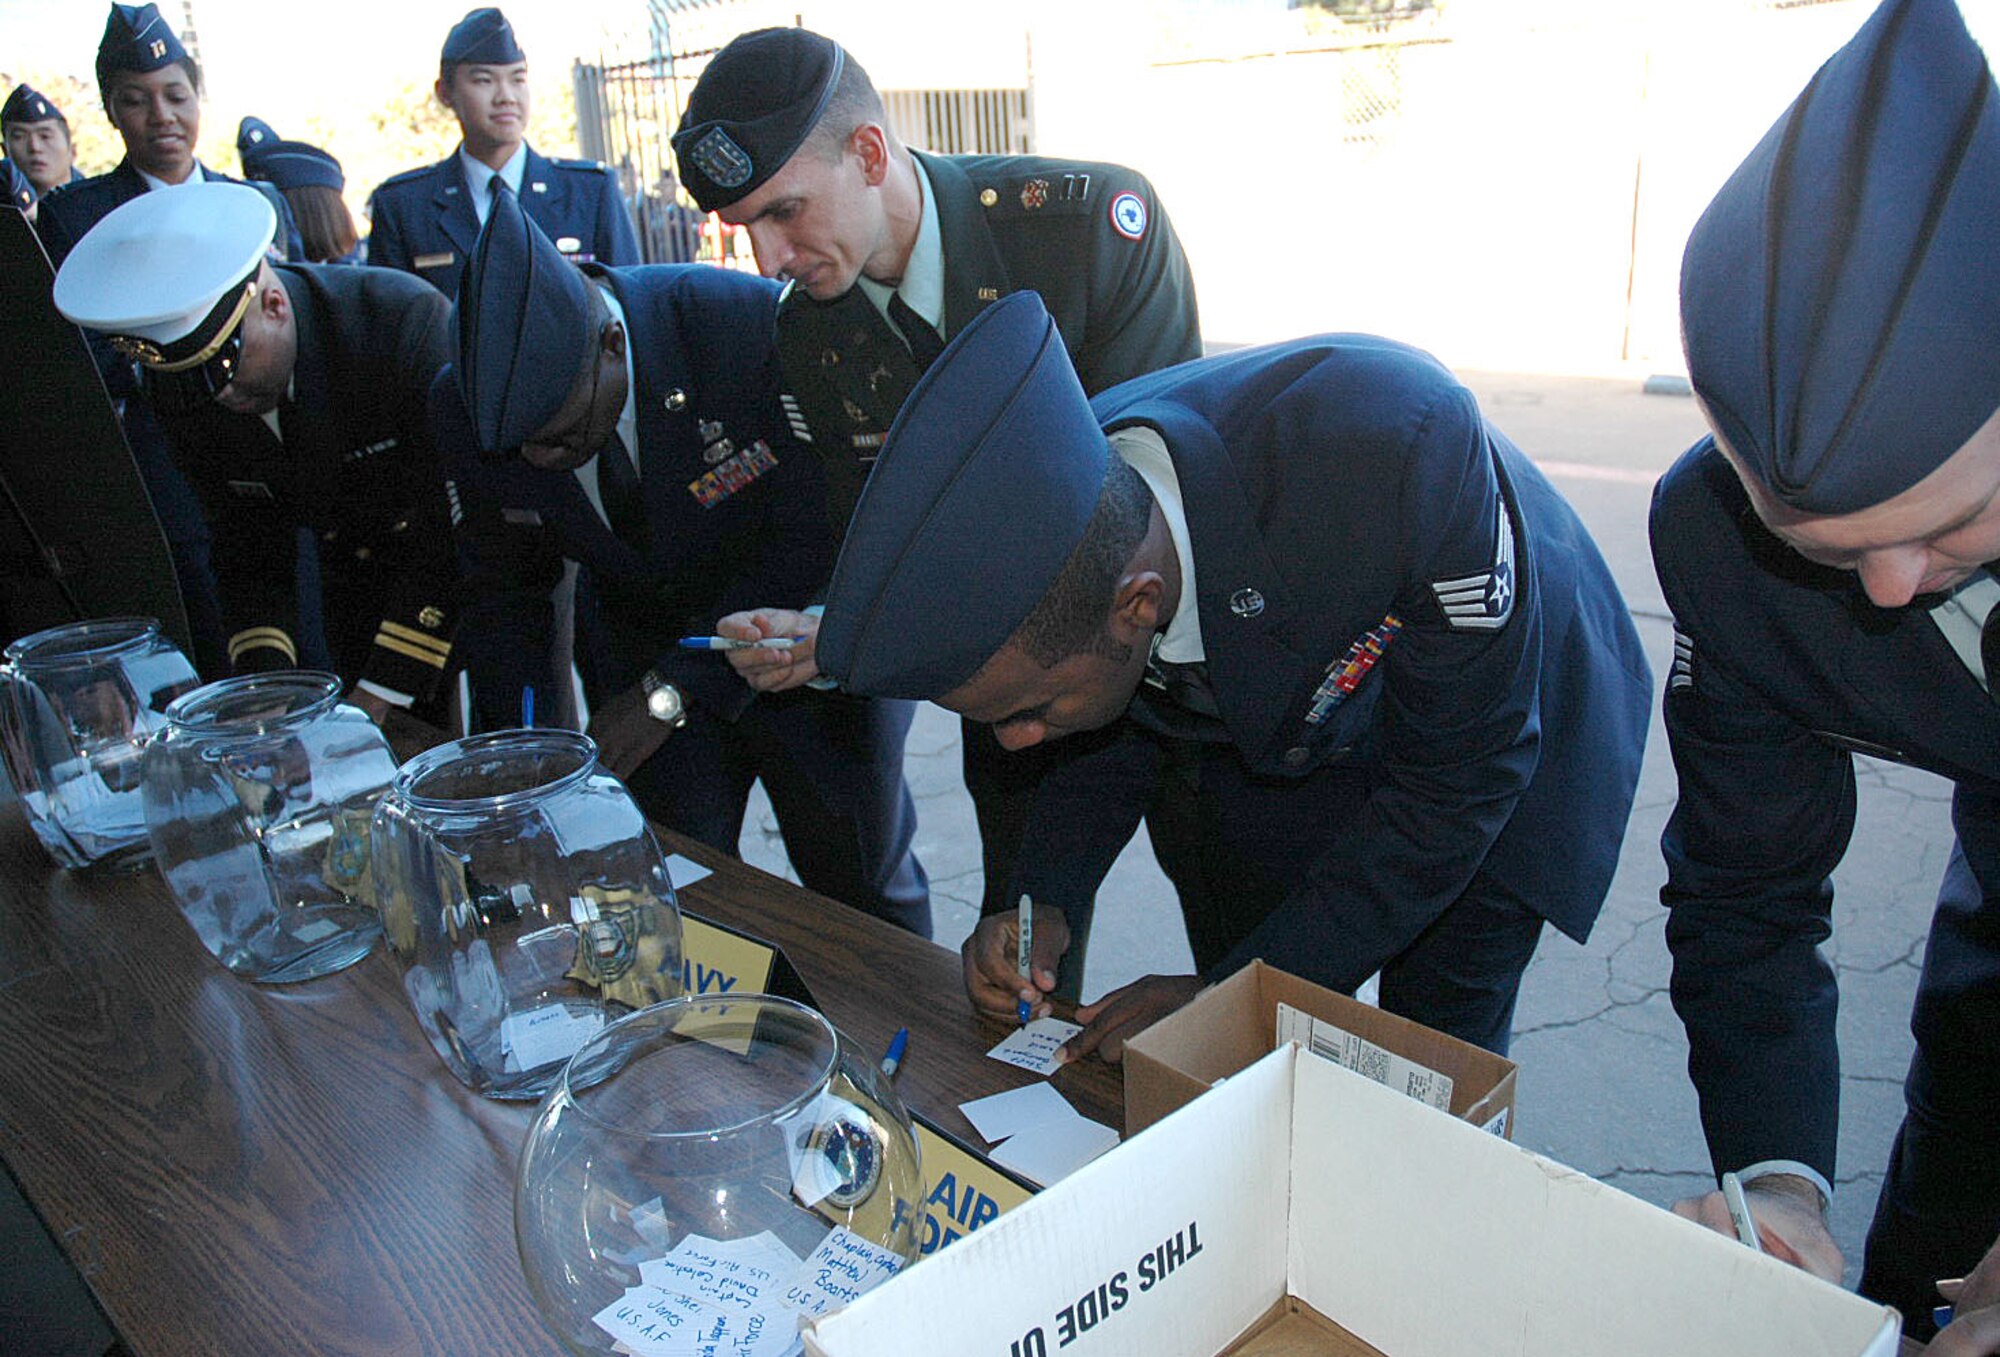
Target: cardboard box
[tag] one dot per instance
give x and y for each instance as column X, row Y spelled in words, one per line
column 1234, row 1024
column 1299, row 1197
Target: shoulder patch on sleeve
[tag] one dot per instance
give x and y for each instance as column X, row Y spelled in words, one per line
column 1483, row 602
column 1129, row 216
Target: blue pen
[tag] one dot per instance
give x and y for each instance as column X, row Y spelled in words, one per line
column 899, row 1043
column 731, row 643
column 528, row 708
column 1943, row 1315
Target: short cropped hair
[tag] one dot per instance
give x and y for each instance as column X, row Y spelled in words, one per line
column 1072, row 614
column 852, row 104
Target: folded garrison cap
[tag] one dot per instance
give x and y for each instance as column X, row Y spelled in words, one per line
column 1841, row 294
column 984, row 487
column 756, row 102
column 26, row 105
column 523, row 328
column 286, row 164
column 484, row 36
column 136, row 38
column 19, row 188
column 169, row 277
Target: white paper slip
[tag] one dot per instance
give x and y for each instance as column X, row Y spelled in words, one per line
column 1033, row 1047
column 1364, row 1057
column 1018, row 1109
column 542, row 1036
column 649, row 1322
column 1048, row 1152
column 721, row 1279
column 843, row 1267
column 684, row 872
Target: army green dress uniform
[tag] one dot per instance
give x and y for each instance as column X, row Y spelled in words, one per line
column 1090, row 238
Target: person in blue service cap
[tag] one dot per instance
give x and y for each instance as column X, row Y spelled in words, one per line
column 19, row 188
column 294, row 396
column 1828, row 555
column 1359, row 658
column 628, row 420
column 151, row 89
column 426, row 220
column 889, row 253
column 311, row 180
column 38, row 139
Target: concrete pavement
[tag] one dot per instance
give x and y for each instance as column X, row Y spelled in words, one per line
column 1603, row 1082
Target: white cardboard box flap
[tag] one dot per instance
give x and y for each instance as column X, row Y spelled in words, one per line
column 1467, row 1236
column 1417, row 1232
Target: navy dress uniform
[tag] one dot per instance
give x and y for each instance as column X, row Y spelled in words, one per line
column 346, row 454
column 1840, row 297
column 1092, row 239
column 1415, row 727
column 727, row 510
column 425, row 221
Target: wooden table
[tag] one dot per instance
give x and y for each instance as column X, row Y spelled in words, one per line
column 261, row 1171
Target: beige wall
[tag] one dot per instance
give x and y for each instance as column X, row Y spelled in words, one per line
column 1489, row 213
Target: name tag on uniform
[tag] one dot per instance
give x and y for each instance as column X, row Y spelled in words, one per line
column 252, row 490
column 568, row 244
column 436, row 261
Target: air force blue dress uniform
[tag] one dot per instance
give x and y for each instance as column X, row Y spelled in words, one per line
column 424, row 221
column 1840, row 298
column 733, row 517
column 1424, row 704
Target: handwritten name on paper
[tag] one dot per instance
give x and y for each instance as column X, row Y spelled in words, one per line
column 1033, row 1047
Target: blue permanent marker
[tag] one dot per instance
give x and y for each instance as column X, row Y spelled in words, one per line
column 1024, row 953
column 898, row 1044
column 731, row 643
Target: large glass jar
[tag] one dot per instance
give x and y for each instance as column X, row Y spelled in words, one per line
column 708, row 1174
column 526, row 901
column 78, row 706
column 258, row 798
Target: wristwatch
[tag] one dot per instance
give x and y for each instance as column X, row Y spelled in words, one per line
column 663, row 701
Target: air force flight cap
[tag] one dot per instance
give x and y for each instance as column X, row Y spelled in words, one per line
column 1840, row 296
column 523, row 329
column 287, row 164
column 755, row 104
column 484, row 36
column 136, row 38
column 26, row 105
column 984, row 487
column 169, row 277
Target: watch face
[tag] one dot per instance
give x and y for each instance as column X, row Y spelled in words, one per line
column 664, row 703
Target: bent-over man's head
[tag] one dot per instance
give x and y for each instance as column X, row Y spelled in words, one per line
column 1003, row 561
column 1839, row 303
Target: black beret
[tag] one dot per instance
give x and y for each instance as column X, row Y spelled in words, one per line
column 756, row 102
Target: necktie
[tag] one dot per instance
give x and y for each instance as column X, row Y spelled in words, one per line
column 925, row 344
column 624, row 503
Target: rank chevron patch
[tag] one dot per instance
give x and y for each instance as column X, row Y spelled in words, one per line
column 1485, row 601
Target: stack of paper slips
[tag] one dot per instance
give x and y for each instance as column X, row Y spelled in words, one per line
column 745, row 1297
column 1041, row 1136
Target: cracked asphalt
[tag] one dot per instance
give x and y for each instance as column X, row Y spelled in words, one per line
column 1603, row 1083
